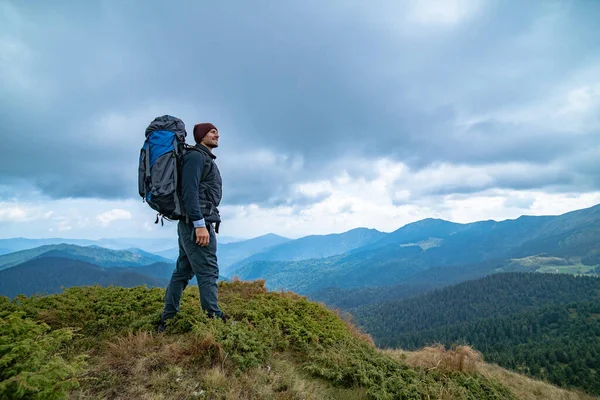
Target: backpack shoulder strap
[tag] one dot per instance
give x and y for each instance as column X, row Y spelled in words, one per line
column 207, row 160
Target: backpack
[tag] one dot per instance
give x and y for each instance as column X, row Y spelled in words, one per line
column 159, row 169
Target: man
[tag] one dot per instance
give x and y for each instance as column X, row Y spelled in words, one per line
column 201, row 194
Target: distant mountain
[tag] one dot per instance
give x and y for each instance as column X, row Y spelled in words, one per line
column 49, row 274
column 437, row 248
column 375, row 268
column 147, row 244
column 230, row 239
column 415, row 285
column 153, row 245
column 92, row 254
column 427, row 233
column 230, row 253
column 315, row 246
column 161, row 270
column 170, row 254
column 17, row 244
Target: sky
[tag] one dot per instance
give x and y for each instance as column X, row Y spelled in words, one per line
column 332, row 115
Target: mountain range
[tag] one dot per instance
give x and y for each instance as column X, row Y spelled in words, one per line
column 439, row 251
column 48, row 268
column 49, row 274
column 93, row 254
column 368, row 266
column 147, row 244
column 230, row 253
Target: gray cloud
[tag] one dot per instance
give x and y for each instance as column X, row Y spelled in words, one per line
column 519, row 202
column 320, row 87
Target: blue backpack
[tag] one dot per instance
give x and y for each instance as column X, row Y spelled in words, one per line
column 159, row 168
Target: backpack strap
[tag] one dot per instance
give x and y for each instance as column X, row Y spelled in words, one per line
column 205, row 170
column 148, row 178
column 207, row 161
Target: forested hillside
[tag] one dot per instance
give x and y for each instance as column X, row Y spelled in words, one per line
column 48, row 275
column 545, row 325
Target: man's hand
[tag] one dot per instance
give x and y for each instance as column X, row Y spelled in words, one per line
column 202, row 236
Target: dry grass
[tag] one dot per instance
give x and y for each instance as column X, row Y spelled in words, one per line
column 135, row 352
column 144, row 366
column 282, row 380
column 202, row 351
column 245, row 289
column 530, row 389
column 148, row 367
column 465, row 359
column 460, row 358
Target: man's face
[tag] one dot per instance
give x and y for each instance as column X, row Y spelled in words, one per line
column 211, row 140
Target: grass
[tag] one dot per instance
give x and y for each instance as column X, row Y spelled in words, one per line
column 464, row 358
column 555, row 265
column 575, row 269
column 437, row 357
column 102, row 344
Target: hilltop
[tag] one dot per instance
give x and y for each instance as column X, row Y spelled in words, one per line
column 96, row 342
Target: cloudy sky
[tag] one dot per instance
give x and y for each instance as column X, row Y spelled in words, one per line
column 332, row 115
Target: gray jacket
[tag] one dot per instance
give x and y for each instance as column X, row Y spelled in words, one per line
column 201, row 186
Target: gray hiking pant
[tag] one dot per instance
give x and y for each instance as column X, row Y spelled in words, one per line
column 194, row 260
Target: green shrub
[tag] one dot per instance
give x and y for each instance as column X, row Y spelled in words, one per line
column 30, row 362
column 41, row 356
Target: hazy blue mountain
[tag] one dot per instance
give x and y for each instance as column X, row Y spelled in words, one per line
column 49, row 274
column 371, row 268
column 152, row 245
column 163, row 271
column 229, row 253
column 58, row 267
column 427, row 232
column 17, row 244
column 230, row 239
column 437, row 248
column 93, row 254
column 314, row 246
column 156, row 245
column 170, row 254
column 146, row 244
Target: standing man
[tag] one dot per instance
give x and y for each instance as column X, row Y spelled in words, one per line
column 201, row 190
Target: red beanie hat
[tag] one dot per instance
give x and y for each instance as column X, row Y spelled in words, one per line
column 200, row 130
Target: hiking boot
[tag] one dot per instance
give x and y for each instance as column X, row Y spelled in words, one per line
column 224, row 317
column 161, row 327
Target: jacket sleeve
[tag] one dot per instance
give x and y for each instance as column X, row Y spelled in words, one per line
column 191, row 171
